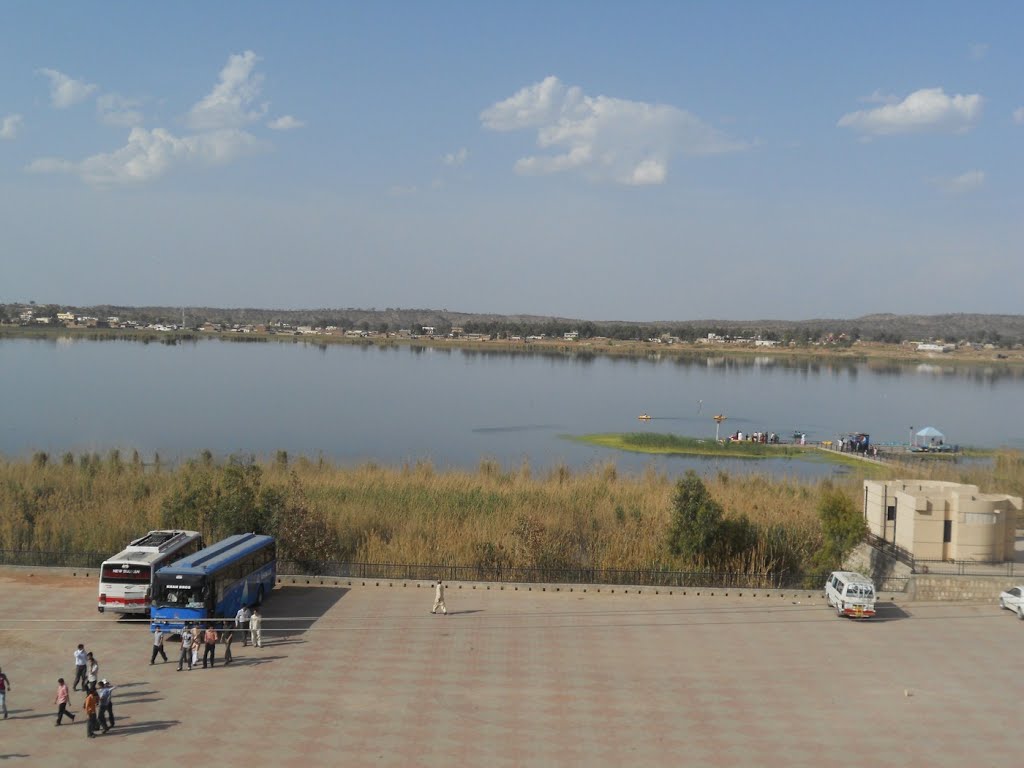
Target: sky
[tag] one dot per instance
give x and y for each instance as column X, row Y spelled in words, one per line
column 644, row 161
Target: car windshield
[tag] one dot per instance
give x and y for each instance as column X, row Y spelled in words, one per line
column 181, row 595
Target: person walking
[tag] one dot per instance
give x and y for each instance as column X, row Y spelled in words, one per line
column 62, row 701
column 93, row 674
column 242, row 623
column 158, row 646
column 186, row 648
column 229, row 637
column 106, row 705
column 439, row 599
column 256, row 625
column 81, row 667
column 210, row 645
column 197, row 640
column 91, row 707
column 5, row 688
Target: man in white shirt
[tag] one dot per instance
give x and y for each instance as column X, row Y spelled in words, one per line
column 80, row 667
column 439, row 599
column 256, row 623
column 242, row 623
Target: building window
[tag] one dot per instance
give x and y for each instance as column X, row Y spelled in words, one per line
column 947, row 531
column 890, row 512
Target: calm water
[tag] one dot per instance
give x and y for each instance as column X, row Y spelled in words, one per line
column 454, row 407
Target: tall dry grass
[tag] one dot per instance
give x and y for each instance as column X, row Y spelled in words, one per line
column 491, row 517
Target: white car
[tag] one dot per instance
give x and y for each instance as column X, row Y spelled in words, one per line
column 1013, row 598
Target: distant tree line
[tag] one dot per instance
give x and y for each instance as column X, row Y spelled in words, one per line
column 1003, row 330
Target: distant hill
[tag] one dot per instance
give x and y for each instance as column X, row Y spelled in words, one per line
column 1003, row 330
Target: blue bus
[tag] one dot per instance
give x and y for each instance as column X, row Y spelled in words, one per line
column 214, row 582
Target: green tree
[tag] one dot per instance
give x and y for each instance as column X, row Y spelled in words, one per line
column 303, row 533
column 696, row 519
column 842, row 527
column 236, row 506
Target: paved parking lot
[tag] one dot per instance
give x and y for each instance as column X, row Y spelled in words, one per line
column 366, row 676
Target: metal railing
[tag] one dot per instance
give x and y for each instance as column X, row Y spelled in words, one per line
column 626, row 576
column 448, row 572
column 943, row 567
column 891, row 549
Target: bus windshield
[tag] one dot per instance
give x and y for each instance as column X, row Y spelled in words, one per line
column 182, row 594
column 125, row 573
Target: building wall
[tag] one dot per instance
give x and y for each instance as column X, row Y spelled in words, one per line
column 982, row 526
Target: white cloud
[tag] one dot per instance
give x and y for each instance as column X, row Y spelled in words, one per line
column 929, row 109
column 977, row 51
column 217, row 138
column 9, row 126
column 456, row 158
column 285, row 123
column 114, row 109
column 1018, row 115
column 965, row 182
column 66, row 91
column 230, row 103
column 630, row 142
column 149, row 154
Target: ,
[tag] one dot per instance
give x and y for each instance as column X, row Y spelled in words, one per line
column 214, row 582
column 1013, row 599
column 126, row 579
column 851, row 594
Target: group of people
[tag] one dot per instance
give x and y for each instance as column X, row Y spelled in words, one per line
column 197, row 637
column 99, row 705
column 754, row 437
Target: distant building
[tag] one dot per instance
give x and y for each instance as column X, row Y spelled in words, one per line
column 66, row 317
column 938, row 520
column 571, row 335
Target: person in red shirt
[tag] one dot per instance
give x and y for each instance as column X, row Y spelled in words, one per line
column 62, row 701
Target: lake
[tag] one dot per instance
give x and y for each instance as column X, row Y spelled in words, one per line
column 455, row 407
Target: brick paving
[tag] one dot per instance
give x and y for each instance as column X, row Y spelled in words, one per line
column 366, row 676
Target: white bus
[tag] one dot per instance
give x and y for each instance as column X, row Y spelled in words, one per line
column 126, row 579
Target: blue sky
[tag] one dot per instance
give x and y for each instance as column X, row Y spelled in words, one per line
column 635, row 161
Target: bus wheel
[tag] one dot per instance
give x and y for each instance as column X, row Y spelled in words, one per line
column 839, row 610
column 259, row 596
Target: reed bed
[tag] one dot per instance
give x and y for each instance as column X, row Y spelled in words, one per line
column 491, row 517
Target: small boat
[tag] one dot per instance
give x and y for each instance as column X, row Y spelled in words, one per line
column 644, row 417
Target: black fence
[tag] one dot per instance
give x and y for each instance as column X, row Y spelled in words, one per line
column 610, row 576
column 428, row 572
column 52, row 559
column 943, row 567
column 891, row 549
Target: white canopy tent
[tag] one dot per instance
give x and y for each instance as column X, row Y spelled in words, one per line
column 929, row 437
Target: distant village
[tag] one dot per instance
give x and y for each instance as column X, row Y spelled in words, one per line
column 33, row 316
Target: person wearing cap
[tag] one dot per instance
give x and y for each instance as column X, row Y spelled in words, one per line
column 106, row 705
column 439, row 599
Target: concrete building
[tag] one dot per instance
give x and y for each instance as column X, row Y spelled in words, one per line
column 938, row 520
